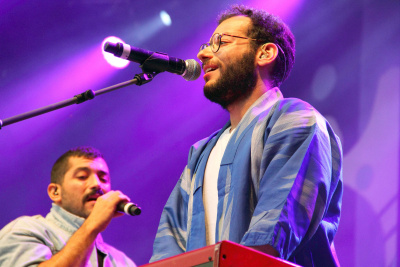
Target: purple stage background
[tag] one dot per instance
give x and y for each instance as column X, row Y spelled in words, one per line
column 347, row 66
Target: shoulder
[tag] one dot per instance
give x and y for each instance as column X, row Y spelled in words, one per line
column 292, row 114
column 288, row 109
column 296, row 111
column 27, row 224
column 25, row 241
column 292, row 105
column 24, row 230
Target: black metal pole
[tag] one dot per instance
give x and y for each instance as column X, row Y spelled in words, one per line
column 88, row 95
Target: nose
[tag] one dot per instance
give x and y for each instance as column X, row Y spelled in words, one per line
column 94, row 181
column 205, row 54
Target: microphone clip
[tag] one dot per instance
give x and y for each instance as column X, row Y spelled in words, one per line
column 156, row 63
column 144, row 78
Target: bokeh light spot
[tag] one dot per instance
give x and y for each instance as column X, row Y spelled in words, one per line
column 110, row 58
column 165, row 18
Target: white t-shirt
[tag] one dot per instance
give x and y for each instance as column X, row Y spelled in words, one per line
column 210, row 184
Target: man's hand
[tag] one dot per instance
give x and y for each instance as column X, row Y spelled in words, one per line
column 104, row 210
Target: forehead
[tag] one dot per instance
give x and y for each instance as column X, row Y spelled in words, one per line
column 97, row 164
column 234, row 25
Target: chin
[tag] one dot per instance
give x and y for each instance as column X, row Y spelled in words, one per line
column 212, row 77
column 209, row 83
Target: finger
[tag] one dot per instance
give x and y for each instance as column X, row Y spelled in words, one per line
column 122, row 196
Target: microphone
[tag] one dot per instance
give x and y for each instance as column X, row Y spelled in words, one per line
column 157, row 62
column 129, row 208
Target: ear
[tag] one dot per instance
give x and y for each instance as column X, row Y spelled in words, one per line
column 267, row 54
column 54, row 192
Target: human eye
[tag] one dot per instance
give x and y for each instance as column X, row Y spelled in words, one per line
column 225, row 39
column 224, row 42
column 103, row 177
column 82, row 175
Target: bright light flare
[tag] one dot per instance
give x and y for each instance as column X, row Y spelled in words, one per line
column 165, row 18
column 110, row 58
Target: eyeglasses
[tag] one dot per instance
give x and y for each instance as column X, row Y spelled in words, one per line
column 215, row 42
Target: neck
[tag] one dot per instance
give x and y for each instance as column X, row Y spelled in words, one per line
column 239, row 108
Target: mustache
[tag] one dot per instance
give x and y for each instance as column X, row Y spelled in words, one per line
column 93, row 192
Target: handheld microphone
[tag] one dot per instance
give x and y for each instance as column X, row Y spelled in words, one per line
column 157, row 62
column 129, row 208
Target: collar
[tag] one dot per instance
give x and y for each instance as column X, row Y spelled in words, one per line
column 64, row 219
column 263, row 103
column 70, row 223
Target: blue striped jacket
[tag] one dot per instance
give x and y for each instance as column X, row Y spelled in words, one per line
column 280, row 183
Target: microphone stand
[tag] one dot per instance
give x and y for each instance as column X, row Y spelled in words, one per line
column 139, row 79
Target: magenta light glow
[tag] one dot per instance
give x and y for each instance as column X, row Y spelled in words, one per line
column 56, row 82
column 285, row 9
column 110, row 58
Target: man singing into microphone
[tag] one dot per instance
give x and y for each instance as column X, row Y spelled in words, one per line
column 271, row 178
column 83, row 206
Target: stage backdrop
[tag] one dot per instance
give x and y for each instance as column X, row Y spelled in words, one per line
column 347, row 66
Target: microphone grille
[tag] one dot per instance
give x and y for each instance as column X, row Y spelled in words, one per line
column 192, row 71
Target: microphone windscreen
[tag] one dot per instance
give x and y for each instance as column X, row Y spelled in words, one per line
column 192, row 71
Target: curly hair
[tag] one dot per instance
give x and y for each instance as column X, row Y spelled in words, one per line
column 270, row 29
column 61, row 166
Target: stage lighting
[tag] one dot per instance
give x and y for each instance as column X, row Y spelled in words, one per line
column 110, row 58
column 165, row 18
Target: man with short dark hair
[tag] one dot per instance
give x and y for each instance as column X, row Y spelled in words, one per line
column 271, row 178
column 83, row 206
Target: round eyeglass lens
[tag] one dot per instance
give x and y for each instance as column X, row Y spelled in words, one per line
column 215, row 42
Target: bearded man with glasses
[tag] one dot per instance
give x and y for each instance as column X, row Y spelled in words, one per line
column 271, row 178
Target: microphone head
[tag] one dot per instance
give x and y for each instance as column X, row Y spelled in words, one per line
column 110, row 47
column 129, row 208
column 192, row 70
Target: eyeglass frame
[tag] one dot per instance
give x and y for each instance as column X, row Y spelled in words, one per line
column 208, row 44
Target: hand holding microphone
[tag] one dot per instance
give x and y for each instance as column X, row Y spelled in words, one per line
column 109, row 206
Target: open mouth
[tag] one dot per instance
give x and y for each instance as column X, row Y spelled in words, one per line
column 209, row 67
column 93, row 197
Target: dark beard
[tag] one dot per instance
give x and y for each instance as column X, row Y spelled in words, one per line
column 235, row 84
